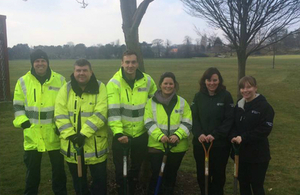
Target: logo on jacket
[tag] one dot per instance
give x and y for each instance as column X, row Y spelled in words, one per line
column 142, row 89
column 220, row 104
column 54, row 88
column 270, row 124
column 255, row 112
column 178, row 111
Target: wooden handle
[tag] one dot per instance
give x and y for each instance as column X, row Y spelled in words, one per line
column 79, row 166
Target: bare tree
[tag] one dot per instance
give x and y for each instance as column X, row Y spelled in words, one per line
column 274, row 47
column 168, row 45
column 242, row 20
column 132, row 17
column 187, row 45
column 157, row 45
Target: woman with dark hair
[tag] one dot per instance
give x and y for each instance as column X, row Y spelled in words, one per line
column 253, row 123
column 168, row 120
column 212, row 111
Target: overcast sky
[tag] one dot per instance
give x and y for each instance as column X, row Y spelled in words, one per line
column 57, row 22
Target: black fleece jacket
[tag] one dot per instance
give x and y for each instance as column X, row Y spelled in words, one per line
column 212, row 115
column 253, row 122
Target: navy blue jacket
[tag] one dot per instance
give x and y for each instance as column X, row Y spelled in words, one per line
column 253, row 122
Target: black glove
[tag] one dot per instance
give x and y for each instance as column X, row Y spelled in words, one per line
column 80, row 140
column 73, row 138
column 26, row 124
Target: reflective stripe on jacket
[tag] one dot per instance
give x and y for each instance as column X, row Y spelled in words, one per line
column 35, row 102
column 92, row 109
column 158, row 124
column 126, row 106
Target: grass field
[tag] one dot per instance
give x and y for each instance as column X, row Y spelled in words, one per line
column 281, row 86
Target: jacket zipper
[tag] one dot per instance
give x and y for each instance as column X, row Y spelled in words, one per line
column 75, row 109
column 34, row 95
column 127, row 95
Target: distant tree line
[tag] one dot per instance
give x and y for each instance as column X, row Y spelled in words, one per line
column 204, row 46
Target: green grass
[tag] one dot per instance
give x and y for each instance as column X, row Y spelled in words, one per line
column 281, row 87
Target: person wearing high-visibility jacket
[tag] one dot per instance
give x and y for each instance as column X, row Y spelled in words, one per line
column 168, row 120
column 34, row 99
column 128, row 91
column 81, row 115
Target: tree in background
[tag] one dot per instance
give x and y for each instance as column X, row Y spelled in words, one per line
column 187, row 47
column 157, row 47
column 168, row 47
column 19, row 51
column 132, row 17
column 242, row 20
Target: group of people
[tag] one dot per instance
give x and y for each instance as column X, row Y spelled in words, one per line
column 70, row 121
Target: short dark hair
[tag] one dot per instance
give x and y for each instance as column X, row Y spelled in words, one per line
column 129, row 53
column 83, row 62
column 247, row 79
column 207, row 75
column 169, row 75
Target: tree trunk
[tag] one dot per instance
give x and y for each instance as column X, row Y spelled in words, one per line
column 132, row 17
column 242, row 59
column 274, row 53
column 133, row 44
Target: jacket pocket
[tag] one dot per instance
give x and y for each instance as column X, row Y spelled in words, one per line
column 100, row 145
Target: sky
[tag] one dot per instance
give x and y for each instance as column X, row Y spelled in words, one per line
column 58, row 22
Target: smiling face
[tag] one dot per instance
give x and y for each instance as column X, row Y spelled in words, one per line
column 40, row 66
column 248, row 92
column 130, row 65
column 82, row 74
column 167, row 87
column 212, row 84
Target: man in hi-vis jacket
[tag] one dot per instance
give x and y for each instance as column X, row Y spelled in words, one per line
column 128, row 91
column 81, row 115
column 34, row 100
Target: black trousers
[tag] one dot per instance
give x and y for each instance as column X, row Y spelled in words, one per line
column 137, row 154
column 32, row 160
column 170, row 171
column 218, row 158
column 252, row 177
column 99, row 178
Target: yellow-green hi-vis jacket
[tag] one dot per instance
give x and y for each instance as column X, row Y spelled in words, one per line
column 35, row 102
column 159, row 124
column 126, row 106
column 93, row 115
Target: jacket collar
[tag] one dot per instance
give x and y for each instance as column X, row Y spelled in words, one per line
column 44, row 78
column 242, row 102
column 92, row 86
column 139, row 75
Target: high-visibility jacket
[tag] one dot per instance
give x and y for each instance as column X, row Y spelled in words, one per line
column 158, row 124
column 35, row 102
column 126, row 106
column 92, row 109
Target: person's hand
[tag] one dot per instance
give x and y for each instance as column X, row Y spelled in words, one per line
column 236, row 140
column 202, row 138
column 173, row 139
column 123, row 139
column 209, row 138
column 80, row 140
column 164, row 139
column 73, row 138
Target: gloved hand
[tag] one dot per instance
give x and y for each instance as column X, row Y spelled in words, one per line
column 73, row 138
column 26, row 124
column 80, row 140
